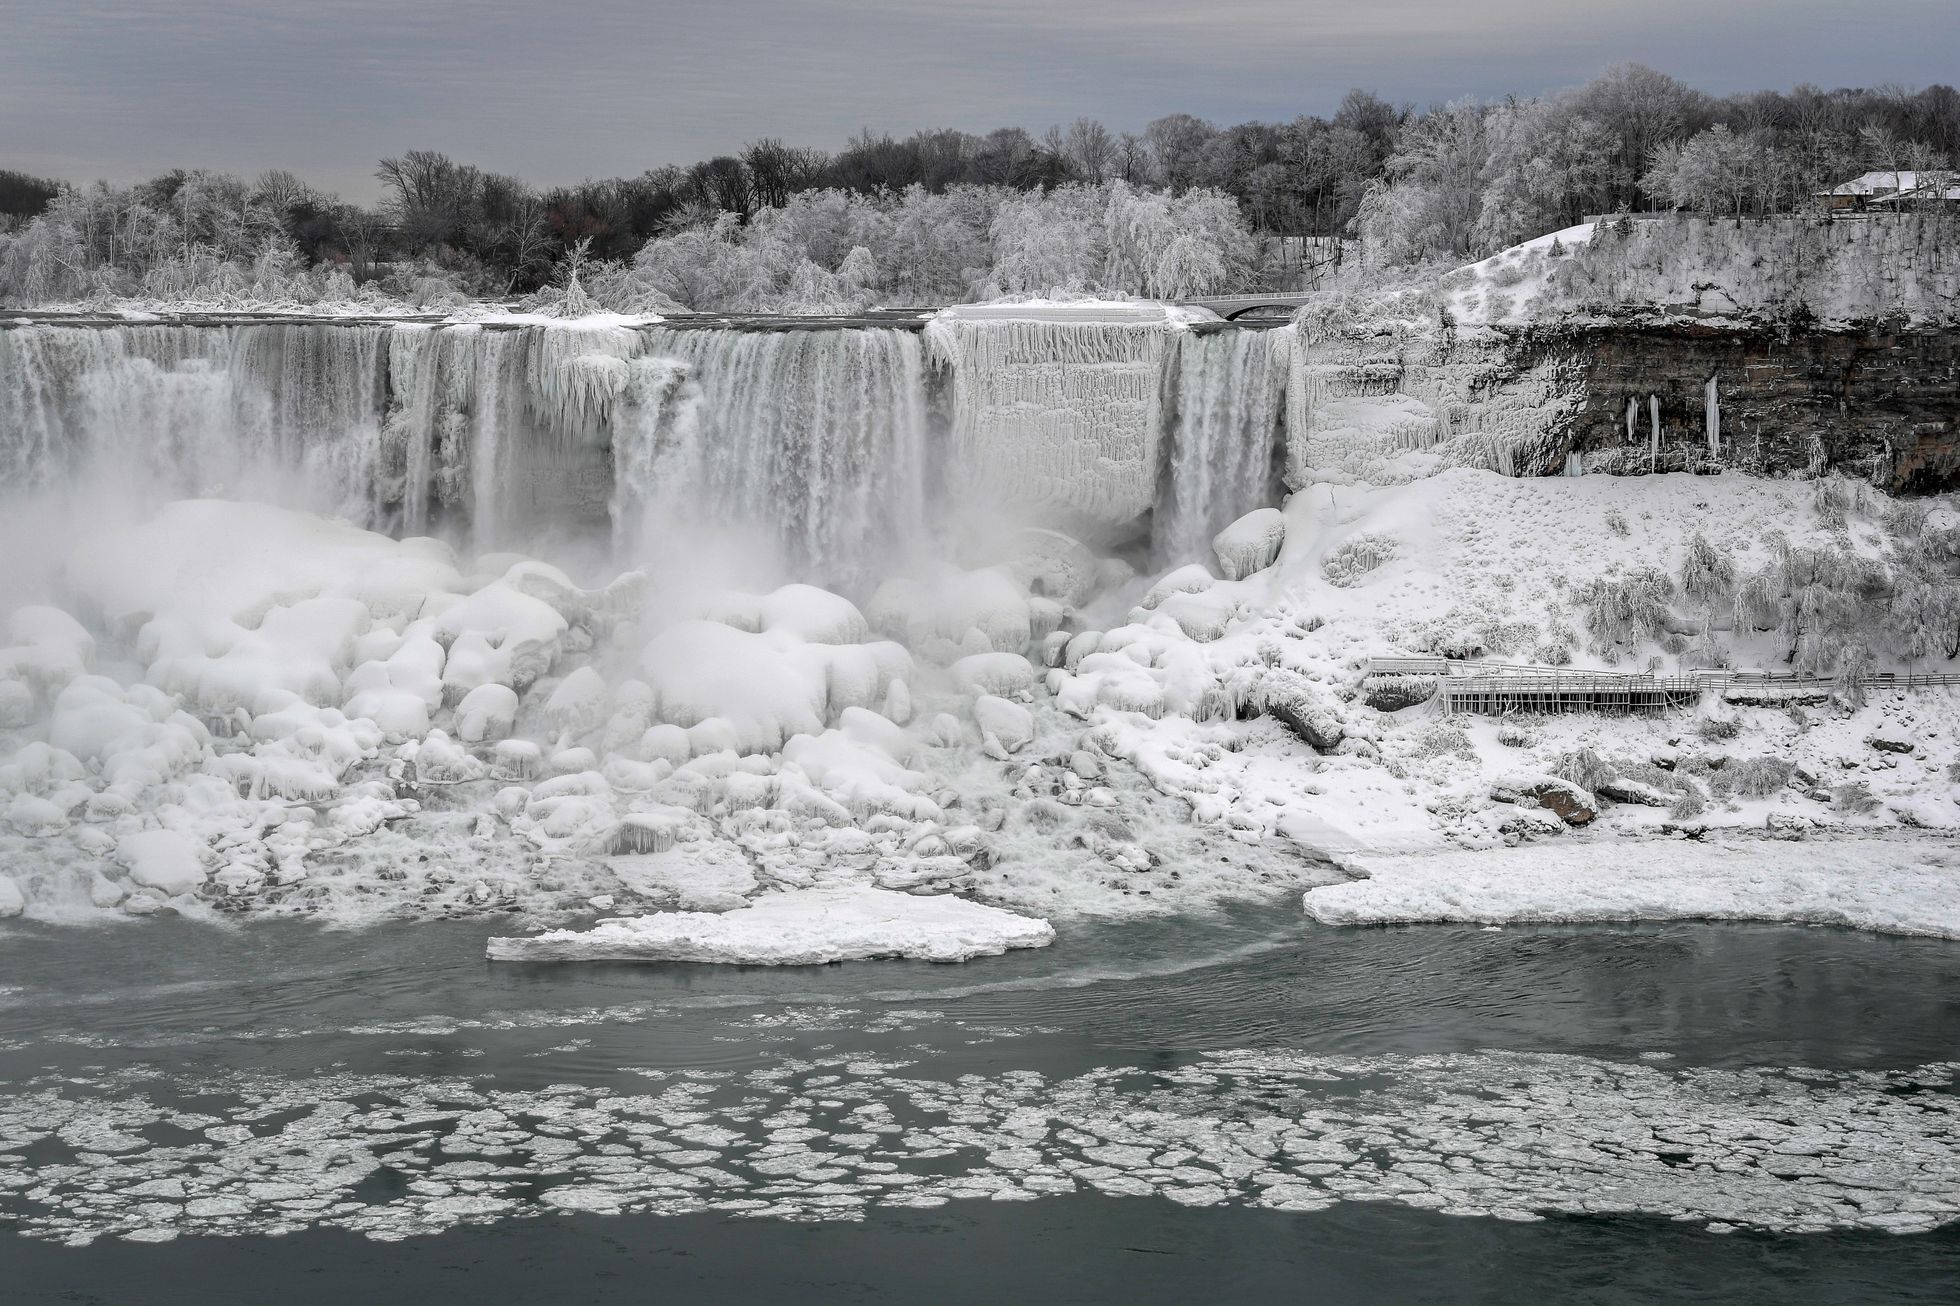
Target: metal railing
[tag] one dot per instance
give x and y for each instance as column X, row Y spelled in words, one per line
column 1486, row 687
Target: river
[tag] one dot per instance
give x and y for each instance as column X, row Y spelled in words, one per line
column 1242, row 1105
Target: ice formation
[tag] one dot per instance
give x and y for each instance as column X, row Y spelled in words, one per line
column 804, row 927
column 1058, row 407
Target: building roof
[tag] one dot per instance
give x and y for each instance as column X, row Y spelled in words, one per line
column 1887, row 183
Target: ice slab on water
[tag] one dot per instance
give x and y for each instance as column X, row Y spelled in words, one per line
column 1892, row 886
column 804, row 927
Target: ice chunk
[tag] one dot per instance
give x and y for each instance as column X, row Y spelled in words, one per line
column 486, row 712
column 803, row 927
column 169, row 861
column 1009, row 725
column 1007, row 675
column 1250, row 544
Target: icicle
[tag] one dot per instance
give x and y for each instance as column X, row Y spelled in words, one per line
column 1654, row 438
column 1713, row 406
column 1574, row 464
column 1633, row 416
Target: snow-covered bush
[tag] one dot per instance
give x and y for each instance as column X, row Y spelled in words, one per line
column 1356, row 557
column 1623, row 612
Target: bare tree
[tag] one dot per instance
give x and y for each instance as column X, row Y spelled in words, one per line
column 1090, row 150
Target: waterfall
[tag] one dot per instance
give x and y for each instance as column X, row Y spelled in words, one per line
column 812, row 443
column 815, row 439
column 1229, row 404
column 288, row 412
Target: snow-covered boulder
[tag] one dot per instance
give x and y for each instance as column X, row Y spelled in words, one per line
column 804, row 927
column 1892, row 738
column 169, row 861
column 487, row 712
column 1250, row 544
column 1007, row 726
column 12, row 901
column 1007, row 675
column 1305, row 707
column 1562, row 798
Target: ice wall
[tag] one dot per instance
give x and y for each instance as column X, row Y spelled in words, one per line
column 1382, row 393
column 1228, row 408
column 1058, row 408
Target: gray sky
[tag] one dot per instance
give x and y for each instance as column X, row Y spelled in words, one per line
column 556, row 90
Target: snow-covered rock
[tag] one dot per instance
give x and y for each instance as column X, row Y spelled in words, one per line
column 1250, row 544
column 1009, row 726
column 169, row 861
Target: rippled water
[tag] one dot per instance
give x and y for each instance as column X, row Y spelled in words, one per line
column 1242, row 1104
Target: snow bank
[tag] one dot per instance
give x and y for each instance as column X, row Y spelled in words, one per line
column 1889, row 886
column 805, row 927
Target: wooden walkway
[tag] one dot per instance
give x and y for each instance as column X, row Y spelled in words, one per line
column 1495, row 689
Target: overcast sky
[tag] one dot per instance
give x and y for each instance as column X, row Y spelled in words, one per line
column 556, row 90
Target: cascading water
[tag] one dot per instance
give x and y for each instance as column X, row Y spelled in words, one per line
column 815, row 438
column 288, row 411
column 812, row 442
column 1229, row 399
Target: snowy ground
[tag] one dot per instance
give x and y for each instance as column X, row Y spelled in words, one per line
column 340, row 725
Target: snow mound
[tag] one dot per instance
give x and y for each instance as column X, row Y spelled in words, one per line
column 805, row 927
column 1892, row 887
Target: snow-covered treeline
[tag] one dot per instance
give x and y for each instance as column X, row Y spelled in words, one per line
column 830, row 250
column 946, row 215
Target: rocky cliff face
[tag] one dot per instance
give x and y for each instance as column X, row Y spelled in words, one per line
column 1883, row 405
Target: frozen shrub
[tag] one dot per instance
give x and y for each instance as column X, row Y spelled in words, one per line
column 1838, row 498
column 1508, row 637
column 1512, row 735
column 1584, row 768
column 1445, row 740
column 1853, row 799
column 1558, row 654
column 1759, row 601
column 1707, row 575
column 1718, row 728
column 1626, row 611
column 1356, row 557
column 1854, row 663
column 1615, row 522
column 1689, row 805
column 1753, row 777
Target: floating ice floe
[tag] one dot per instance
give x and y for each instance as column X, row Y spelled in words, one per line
column 1891, row 886
column 804, row 927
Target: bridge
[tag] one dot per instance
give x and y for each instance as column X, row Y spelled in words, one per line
column 1231, row 307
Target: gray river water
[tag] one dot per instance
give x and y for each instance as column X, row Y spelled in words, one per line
column 1243, row 1106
